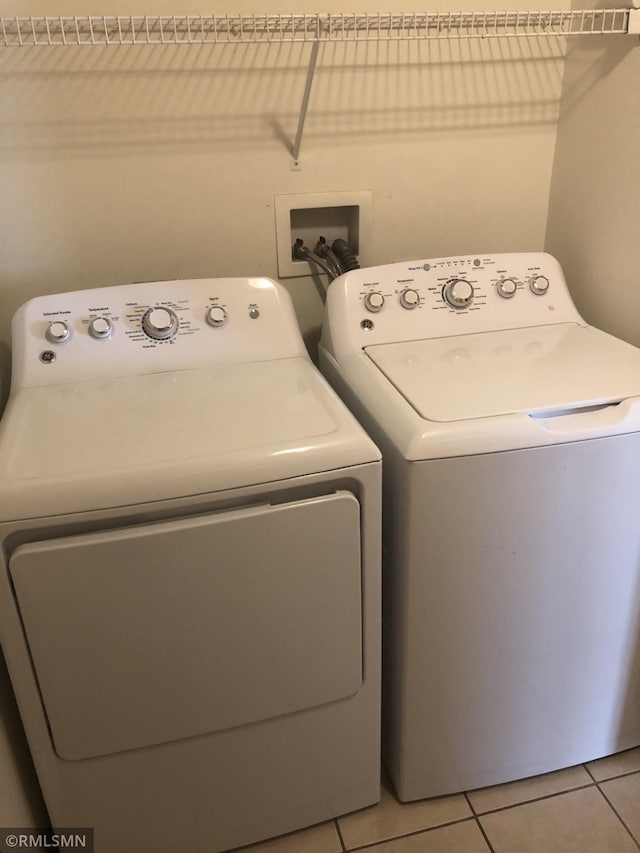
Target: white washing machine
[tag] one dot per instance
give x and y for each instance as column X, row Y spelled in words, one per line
column 189, row 606
column 510, row 434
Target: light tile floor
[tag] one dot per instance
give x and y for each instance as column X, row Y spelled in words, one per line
column 591, row 808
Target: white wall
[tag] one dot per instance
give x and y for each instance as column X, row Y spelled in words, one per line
column 594, row 210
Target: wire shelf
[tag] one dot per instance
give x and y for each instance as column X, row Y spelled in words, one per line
column 242, row 29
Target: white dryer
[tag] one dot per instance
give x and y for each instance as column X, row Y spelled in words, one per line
column 189, row 602
column 510, row 432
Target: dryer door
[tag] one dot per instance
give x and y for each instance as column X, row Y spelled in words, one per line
column 163, row 631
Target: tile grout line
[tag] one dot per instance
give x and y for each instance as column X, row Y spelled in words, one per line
column 478, row 823
column 537, row 799
column 337, row 825
column 615, row 811
column 484, row 834
column 423, row 831
column 610, row 778
column 599, row 782
column 470, row 804
column 586, row 767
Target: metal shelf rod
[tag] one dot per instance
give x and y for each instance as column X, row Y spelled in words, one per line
column 295, row 152
column 243, row 29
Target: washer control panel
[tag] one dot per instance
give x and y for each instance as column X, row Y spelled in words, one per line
column 151, row 327
column 443, row 297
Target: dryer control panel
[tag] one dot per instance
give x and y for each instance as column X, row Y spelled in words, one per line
column 151, row 327
column 445, row 296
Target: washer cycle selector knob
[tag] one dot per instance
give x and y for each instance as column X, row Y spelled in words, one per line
column 160, row 323
column 374, row 301
column 58, row 332
column 409, row 298
column 458, row 293
column 506, row 287
column 539, row 284
column 216, row 316
column 100, row 328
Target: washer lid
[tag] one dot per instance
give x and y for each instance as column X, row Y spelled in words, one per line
column 532, row 370
column 166, row 435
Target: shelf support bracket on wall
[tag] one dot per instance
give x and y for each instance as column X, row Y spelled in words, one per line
column 311, row 70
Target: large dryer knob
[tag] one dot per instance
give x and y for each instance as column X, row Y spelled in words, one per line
column 160, row 323
column 458, row 293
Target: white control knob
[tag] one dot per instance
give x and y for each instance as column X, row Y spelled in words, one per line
column 100, row 328
column 458, row 293
column 160, row 323
column 539, row 284
column 374, row 301
column 506, row 288
column 216, row 316
column 409, row 298
column 58, row 332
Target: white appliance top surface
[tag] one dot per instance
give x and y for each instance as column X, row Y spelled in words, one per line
column 532, row 370
column 159, row 436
